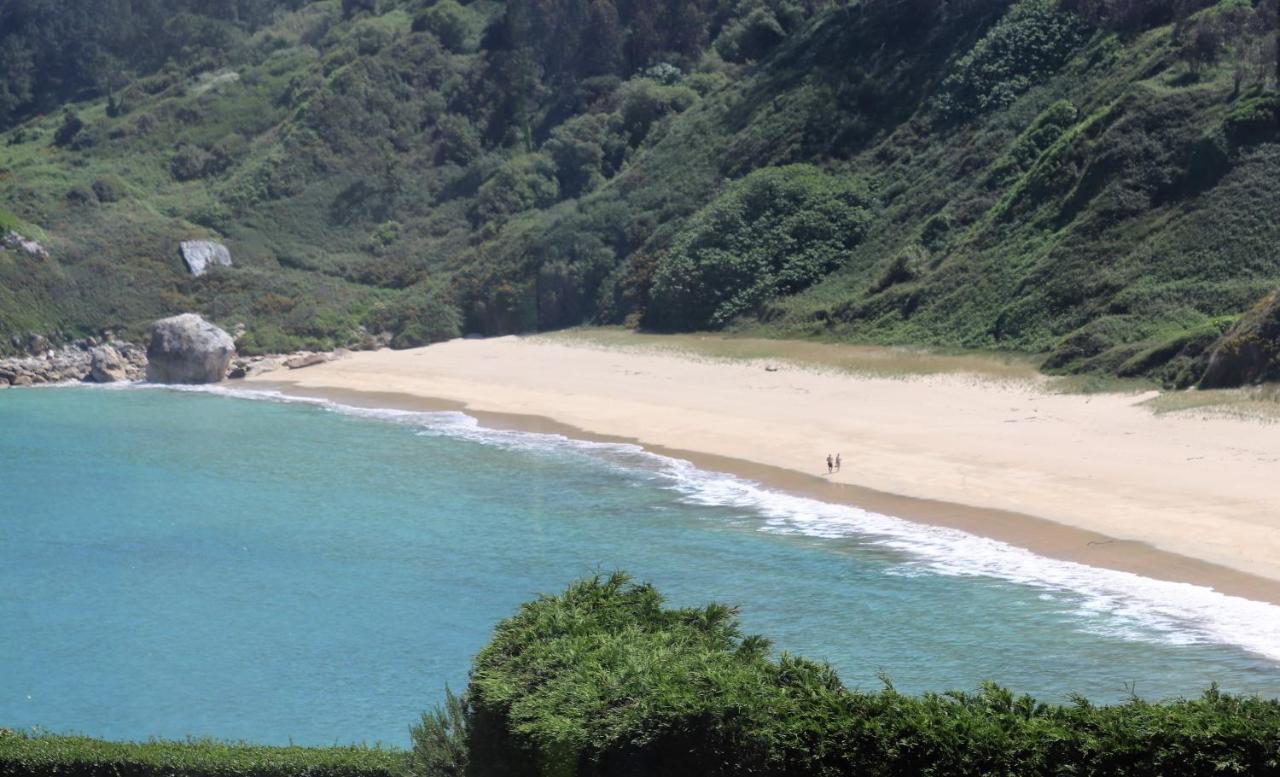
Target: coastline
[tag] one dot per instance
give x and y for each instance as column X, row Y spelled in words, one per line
column 392, row 380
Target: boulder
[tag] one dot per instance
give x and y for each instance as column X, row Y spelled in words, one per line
column 23, row 380
column 1250, row 351
column 200, row 255
column 188, row 349
column 37, row 344
column 15, row 242
column 107, row 365
column 306, row 360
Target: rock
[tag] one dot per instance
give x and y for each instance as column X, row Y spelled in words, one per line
column 188, row 349
column 133, row 354
column 15, row 242
column 1250, row 351
column 200, row 255
column 107, row 365
column 306, row 360
column 23, row 380
column 267, row 364
column 37, row 344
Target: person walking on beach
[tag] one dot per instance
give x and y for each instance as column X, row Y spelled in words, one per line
column 837, row 462
column 830, row 464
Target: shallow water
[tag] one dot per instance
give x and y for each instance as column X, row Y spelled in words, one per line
column 191, row 563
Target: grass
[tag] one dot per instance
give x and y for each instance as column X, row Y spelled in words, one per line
column 1254, row 403
column 878, row 361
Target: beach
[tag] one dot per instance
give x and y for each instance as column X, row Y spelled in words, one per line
column 1095, row 478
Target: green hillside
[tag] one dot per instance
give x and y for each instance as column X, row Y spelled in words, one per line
column 1097, row 181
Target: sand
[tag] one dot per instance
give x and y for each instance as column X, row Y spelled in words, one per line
column 1096, row 478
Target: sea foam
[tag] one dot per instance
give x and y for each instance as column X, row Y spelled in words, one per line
column 1103, row 601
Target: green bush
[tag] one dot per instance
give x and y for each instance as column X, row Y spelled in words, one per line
column 1030, row 42
column 775, row 232
column 23, row 755
column 421, row 315
column 643, row 101
column 519, row 184
column 448, row 21
column 604, row 680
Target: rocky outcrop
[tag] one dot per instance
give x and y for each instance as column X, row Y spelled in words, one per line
column 200, row 255
column 78, row 361
column 1250, row 351
column 12, row 241
column 188, row 349
column 106, row 365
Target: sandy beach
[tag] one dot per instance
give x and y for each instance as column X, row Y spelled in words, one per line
column 1096, row 478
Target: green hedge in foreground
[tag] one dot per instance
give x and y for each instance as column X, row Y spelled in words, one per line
column 604, row 680
column 23, row 755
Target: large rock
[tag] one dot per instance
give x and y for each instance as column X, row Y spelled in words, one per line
column 107, row 365
column 200, row 255
column 1250, row 351
column 188, row 349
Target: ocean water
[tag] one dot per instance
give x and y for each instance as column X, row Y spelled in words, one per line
column 178, row 563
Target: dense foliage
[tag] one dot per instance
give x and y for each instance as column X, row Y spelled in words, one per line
column 1093, row 180
column 23, row 755
column 604, row 680
column 776, row 232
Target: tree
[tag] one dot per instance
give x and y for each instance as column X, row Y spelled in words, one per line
column 449, row 22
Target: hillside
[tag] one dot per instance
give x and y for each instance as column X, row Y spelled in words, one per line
column 1092, row 180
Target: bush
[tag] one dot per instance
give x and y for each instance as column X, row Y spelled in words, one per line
column 422, row 315
column 1029, row 43
column 775, row 232
column 604, row 680
column 71, row 126
column 643, row 102
column 521, row 183
column 448, row 21
column 22, row 755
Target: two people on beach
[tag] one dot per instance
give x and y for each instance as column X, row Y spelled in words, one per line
column 833, row 465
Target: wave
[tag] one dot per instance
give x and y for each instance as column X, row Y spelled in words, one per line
column 1103, row 601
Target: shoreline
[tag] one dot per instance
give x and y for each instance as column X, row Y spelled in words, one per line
column 1038, row 535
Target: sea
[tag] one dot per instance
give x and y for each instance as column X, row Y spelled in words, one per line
column 245, row 566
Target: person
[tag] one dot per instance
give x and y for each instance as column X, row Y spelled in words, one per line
column 830, row 464
column 837, row 462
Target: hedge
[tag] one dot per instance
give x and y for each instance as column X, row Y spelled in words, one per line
column 605, row 680
column 27, row 755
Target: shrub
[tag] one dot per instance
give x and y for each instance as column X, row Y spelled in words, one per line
column 643, row 102
column 22, row 755
column 109, row 189
column 1030, row 42
column 421, row 315
column 521, row 183
column 71, row 126
column 190, row 162
column 448, row 21
column 775, row 232
column 605, row 680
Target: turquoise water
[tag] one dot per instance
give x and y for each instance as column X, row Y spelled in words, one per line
column 179, row 563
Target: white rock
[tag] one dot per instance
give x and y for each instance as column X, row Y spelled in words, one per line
column 188, row 349
column 200, row 255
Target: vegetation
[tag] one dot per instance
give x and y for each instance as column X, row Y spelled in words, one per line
column 1091, row 181
column 23, row 755
column 604, row 680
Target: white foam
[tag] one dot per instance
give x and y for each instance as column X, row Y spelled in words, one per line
column 1103, row 601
